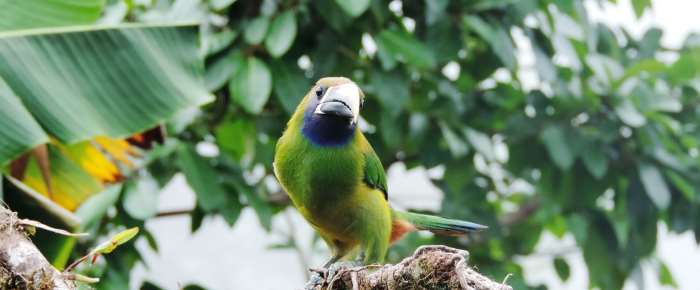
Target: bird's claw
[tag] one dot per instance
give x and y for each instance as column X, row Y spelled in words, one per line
column 337, row 267
column 318, row 278
column 320, row 271
column 325, row 276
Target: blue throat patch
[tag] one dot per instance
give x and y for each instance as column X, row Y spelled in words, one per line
column 326, row 130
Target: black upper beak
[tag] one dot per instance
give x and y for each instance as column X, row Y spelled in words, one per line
column 336, row 108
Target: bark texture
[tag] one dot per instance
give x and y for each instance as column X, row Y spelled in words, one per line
column 22, row 266
column 430, row 267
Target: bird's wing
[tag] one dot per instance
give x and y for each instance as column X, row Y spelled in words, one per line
column 374, row 172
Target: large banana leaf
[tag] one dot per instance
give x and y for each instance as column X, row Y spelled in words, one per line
column 23, row 14
column 19, row 129
column 76, row 83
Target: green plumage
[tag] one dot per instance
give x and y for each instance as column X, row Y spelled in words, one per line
column 338, row 184
column 374, row 172
column 436, row 224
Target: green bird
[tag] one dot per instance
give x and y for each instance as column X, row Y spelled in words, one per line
column 337, row 182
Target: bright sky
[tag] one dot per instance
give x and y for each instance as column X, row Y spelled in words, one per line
column 677, row 18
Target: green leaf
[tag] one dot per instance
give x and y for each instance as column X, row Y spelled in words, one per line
column 196, row 219
column 639, row 6
column 21, row 131
column 391, row 131
column 455, row 144
column 83, row 74
column 116, row 241
column 687, row 189
column 216, row 42
column 629, row 114
column 650, row 66
column 147, row 286
column 444, row 39
column 544, row 65
column 683, row 69
column 650, row 43
column 325, row 55
column 202, row 178
column 236, row 137
column 353, row 8
column 665, row 276
column 332, row 14
column 141, row 197
column 595, row 161
column 232, row 210
column 497, row 37
column 256, row 29
column 220, row 4
column 600, row 252
column 262, row 209
column 251, row 85
column 290, row 85
column 562, row 268
column 220, row 72
column 26, row 14
column 283, row 30
column 114, row 279
column 405, row 48
column 559, row 149
column 435, row 10
column 151, row 240
column 655, row 185
column 557, row 226
column 492, row 4
column 386, row 58
column 391, row 89
column 94, row 208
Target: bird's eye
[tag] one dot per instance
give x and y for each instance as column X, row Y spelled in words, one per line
column 319, row 91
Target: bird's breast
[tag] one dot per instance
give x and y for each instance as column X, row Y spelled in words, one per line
column 332, row 174
column 317, row 178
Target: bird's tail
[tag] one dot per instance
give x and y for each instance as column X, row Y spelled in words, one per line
column 436, row 224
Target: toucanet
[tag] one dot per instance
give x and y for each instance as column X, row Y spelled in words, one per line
column 337, row 182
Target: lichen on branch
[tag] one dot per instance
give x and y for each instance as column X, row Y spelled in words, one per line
column 430, row 267
column 22, row 266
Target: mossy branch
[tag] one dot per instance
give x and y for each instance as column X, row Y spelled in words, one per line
column 22, row 266
column 430, row 267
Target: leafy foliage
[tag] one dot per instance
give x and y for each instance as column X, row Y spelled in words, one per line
column 601, row 132
column 603, row 119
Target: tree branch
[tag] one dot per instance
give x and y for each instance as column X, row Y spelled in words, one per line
column 430, row 267
column 22, row 266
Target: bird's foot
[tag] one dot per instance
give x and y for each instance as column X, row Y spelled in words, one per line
column 317, row 279
column 336, row 267
column 325, row 276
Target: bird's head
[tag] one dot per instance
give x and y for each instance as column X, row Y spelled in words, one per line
column 332, row 110
column 335, row 98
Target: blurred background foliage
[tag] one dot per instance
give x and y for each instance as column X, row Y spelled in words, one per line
column 597, row 136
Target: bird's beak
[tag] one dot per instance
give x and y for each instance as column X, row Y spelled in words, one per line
column 342, row 101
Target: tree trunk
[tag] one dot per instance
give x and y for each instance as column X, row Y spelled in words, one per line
column 22, row 266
